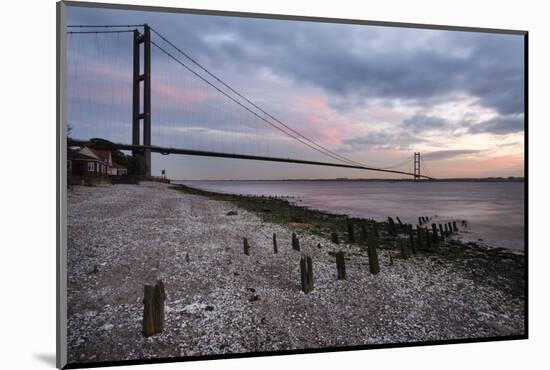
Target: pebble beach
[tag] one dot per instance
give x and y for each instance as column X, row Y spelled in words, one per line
column 221, row 301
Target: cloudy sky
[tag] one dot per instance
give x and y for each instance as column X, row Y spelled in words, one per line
column 374, row 94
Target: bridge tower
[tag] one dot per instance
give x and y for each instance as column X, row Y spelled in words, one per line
column 142, row 112
column 417, row 166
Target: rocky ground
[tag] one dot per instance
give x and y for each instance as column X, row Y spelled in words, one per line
column 222, row 301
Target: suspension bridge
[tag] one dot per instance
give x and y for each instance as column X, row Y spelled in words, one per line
column 178, row 106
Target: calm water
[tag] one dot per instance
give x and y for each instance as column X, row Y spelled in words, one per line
column 494, row 211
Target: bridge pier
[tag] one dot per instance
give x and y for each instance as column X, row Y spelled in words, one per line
column 416, row 166
column 144, row 156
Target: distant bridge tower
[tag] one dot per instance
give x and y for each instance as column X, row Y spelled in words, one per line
column 417, row 166
column 138, row 114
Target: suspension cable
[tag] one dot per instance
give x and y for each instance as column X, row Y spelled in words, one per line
column 97, row 32
column 104, row 26
column 340, row 157
column 237, row 102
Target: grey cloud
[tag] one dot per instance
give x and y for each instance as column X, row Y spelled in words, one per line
column 446, row 154
column 355, row 63
column 500, row 125
column 326, row 56
column 397, row 140
column 420, row 122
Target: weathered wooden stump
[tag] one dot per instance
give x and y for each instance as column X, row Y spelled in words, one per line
column 428, row 239
column 246, row 246
column 420, row 220
column 334, row 237
column 351, row 236
column 446, row 230
column 295, row 242
column 391, row 225
column 411, row 240
column 450, row 228
column 275, row 249
column 153, row 309
column 341, row 266
column 372, row 246
column 404, row 254
column 401, row 227
column 455, row 228
column 441, row 232
column 420, row 237
column 363, row 232
column 306, row 271
column 434, row 233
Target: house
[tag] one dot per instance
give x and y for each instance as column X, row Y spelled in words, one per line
column 85, row 168
column 118, row 170
column 113, row 169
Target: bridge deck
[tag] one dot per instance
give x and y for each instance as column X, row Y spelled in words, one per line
column 166, row 151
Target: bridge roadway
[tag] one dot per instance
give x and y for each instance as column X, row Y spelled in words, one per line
column 166, row 151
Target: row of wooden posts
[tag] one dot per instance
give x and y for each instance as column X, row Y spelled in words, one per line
column 426, row 239
column 306, row 270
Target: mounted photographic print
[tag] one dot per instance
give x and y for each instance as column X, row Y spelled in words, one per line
column 235, row 184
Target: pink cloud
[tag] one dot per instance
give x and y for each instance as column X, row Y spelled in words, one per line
column 97, row 83
column 321, row 123
column 170, row 96
column 101, row 84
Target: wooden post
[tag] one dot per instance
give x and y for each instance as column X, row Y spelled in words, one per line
column 295, row 242
column 434, row 232
column 341, row 266
column 419, row 236
column 306, row 271
column 455, row 228
column 153, row 309
column 446, row 230
column 275, row 249
column 420, row 220
column 411, row 240
column 334, row 237
column 450, row 228
column 391, row 226
column 363, row 232
column 372, row 245
column 428, row 239
column 403, row 251
column 401, row 227
column 351, row 236
column 441, row 232
column 375, row 228
column 246, row 247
